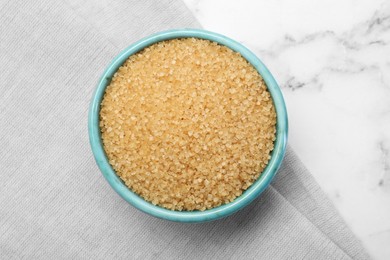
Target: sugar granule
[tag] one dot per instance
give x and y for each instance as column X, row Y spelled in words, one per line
column 188, row 124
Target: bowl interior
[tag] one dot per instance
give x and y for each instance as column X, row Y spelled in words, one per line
column 188, row 216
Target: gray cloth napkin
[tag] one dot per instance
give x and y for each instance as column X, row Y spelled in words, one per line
column 55, row 204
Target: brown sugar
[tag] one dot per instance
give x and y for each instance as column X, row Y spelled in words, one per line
column 188, row 124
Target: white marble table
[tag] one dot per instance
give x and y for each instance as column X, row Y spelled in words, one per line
column 332, row 61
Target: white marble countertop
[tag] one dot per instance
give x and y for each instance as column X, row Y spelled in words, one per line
column 332, row 61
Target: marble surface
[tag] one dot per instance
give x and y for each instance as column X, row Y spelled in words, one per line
column 332, row 61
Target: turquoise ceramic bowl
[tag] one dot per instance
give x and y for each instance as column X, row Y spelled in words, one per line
column 188, row 216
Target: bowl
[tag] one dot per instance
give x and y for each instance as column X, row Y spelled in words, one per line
column 188, row 216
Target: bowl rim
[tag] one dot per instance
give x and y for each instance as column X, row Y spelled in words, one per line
column 188, row 216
